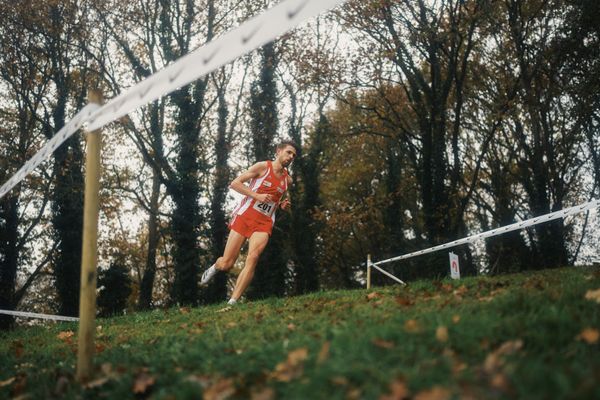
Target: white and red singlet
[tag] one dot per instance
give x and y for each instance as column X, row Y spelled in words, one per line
column 253, row 216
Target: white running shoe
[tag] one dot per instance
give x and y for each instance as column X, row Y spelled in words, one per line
column 208, row 275
column 232, row 302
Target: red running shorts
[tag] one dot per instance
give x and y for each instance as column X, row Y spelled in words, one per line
column 247, row 226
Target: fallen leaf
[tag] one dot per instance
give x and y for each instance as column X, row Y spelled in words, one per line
column 19, row 386
column 340, row 381
column 66, row 336
column 500, row 382
column 397, row 391
column 202, row 380
column 461, row 290
column 184, row 310
column 446, row 287
column 222, row 389
column 18, row 348
column 265, row 393
column 456, row 319
column 589, row 335
column 100, row 348
column 142, row 383
column 435, row 393
column 324, row 352
column 412, row 326
column 384, row 344
column 404, row 301
column 495, row 360
column 231, row 324
column 441, row 334
column 291, row 327
column 293, row 367
column 7, row 382
column 593, row 295
column 97, row 383
column 354, row 394
column 373, row 295
column 224, row 309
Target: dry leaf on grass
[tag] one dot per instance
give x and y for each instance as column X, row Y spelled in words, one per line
column 500, row 382
column 456, row 319
column 461, row 290
column 404, row 301
column 412, row 326
column 291, row 368
column 593, row 295
column 495, row 360
column 589, row 335
column 441, row 334
column 265, row 393
column 435, row 393
column 142, row 383
column 373, row 295
column 7, row 382
column 384, row 344
column 397, row 391
column 323, row 353
column 96, row 383
column 18, row 348
column 220, row 390
column 340, row 381
column 66, row 336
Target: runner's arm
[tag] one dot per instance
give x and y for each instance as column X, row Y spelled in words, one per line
column 238, row 184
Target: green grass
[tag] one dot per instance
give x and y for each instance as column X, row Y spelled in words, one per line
column 515, row 336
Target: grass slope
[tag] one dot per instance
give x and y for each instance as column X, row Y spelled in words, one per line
column 531, row 335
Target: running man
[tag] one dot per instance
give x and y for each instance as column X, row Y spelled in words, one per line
column 254, row 217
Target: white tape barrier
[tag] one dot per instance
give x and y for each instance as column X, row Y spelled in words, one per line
column 41, row 316
column 498, row 231
column 387, row 274
column 44, row 153
column 249, row 36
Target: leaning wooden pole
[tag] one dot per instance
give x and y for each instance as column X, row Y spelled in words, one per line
column 89, row 256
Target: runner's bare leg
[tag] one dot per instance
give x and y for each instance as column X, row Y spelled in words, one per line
column 235, row 241
column 258, row 242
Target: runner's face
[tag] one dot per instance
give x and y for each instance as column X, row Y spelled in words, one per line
column 286, row 155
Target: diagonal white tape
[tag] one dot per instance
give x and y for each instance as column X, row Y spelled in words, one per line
column 40, row 316
column 388, row 274
column 498, row 231
column 250, row 35
column 44, row 153
column 247, row 37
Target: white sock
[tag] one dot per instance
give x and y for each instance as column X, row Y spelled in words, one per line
column 232, row 301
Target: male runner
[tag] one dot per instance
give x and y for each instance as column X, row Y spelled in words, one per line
column 254, row 217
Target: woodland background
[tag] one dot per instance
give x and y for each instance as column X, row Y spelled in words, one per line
column 420, row 122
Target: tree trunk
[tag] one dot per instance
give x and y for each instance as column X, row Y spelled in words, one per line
column 147, row 285
column 8, row 256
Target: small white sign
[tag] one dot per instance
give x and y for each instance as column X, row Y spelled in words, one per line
column 454, row 267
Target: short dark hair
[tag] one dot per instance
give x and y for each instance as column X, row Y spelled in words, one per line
column 285, row 143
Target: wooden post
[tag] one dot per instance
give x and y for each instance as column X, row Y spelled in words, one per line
column 368, row 271
column 89, row 256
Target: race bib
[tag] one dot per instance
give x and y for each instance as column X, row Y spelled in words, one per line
column 265, row 208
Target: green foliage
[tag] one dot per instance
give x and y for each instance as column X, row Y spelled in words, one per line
column 516, row 336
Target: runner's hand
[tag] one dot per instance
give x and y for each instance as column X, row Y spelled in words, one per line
column 285, row 205
column 264, row 198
